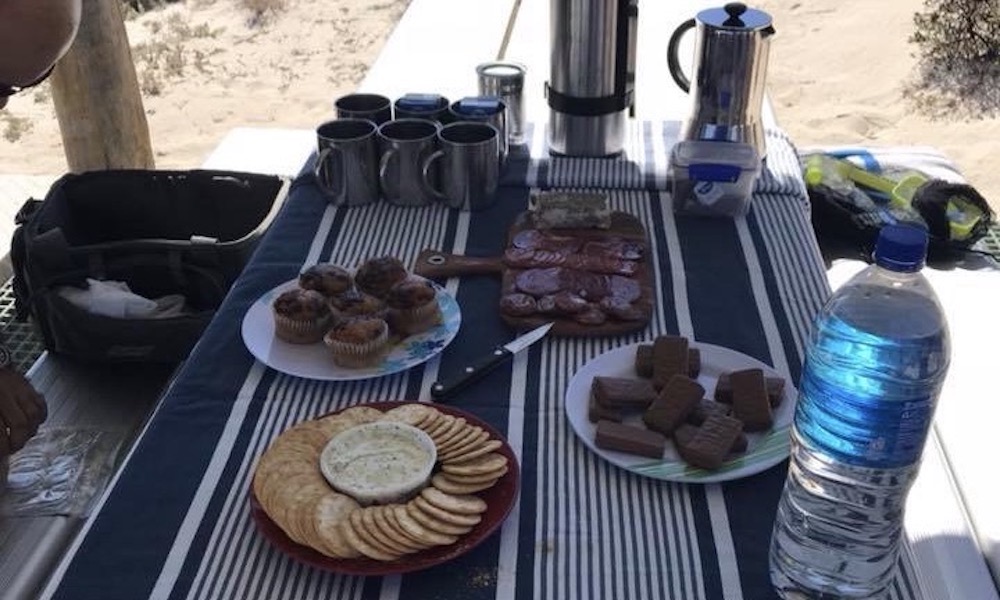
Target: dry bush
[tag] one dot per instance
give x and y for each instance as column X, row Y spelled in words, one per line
column 262, row 11
column 958, row 69
column 166, row 55
column 14, row 126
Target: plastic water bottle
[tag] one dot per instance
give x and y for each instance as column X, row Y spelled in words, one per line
column 877, row 358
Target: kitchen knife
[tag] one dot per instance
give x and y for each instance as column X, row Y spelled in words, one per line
column 484, row 365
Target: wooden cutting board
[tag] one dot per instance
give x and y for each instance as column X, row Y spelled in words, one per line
column 435, row 264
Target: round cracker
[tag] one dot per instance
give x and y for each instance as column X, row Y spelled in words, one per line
column 361, row 414
column 410, row 414
column 468, row 433
column 364, row 526
column 429, row 521
column 454, row 503
column 449, row 486
column 389, row 512
column 311, row 436
column 445, row 516
column 357, row 542
column 457, row 427
column 440, row 426
column 475, row 479
column 490, row 462
column 331, row 511
column 471, row 443
column 486, row 448
column 382, row 515
column 420, row 533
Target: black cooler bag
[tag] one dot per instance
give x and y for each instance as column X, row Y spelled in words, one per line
column 160, row 232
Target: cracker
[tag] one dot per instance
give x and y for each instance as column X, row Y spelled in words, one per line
column 475, row 479
column 410, row 414
column 454, row 519
column 485, row 448
column 389, row 512
column 418, row 532
column 469, row 444
column 377, row 536
column 361, row 414
column 382, row 515
column 462, row 504
column 328, row 515
column 359, row 544
column 428, row 520
column 457, row 427
column 480, row 465
column 440, row 426
column 468, row 433
column 448, row 485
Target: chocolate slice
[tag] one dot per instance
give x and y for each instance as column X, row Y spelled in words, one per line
column 686, row 432
column 706, row 407
column 694, row 363
column 597, row 412
column 673, row 404
column 621, row 392
column 750, row 403
column 670, row 357
column 630, row 439
column 644, row 361
column 775, row 390
column 711, row 443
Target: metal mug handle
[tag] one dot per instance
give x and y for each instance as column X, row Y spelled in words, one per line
column 320, row 170
column 383, row 170
column 673, row 63
column 426, row 176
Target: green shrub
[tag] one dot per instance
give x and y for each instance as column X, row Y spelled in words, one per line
column 958, row 69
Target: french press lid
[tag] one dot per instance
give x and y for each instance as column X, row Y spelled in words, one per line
column 735, row 15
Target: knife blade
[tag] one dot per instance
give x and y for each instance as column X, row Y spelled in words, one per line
column 480, row 367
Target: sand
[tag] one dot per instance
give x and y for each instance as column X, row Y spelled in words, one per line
column 836, row 76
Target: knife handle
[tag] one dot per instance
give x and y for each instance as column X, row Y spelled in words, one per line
column 471, row 373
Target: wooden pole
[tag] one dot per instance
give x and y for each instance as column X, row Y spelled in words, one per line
column 96, row 95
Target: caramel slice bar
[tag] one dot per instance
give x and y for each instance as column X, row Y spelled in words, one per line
column 630, row 439
column 775, row 390
column 704, row 408
column 711, row 442
column 621, row 392
column 673, row 404
column 644, row 361
column 596, row 412
column 670, row 357
column 750, row 403
column 686, row 432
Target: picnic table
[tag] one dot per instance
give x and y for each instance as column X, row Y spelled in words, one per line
column 176, row 521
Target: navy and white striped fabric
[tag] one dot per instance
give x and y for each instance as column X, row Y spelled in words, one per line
column 176, row 522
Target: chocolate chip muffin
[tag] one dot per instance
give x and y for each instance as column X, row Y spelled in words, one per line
column 300, row 316
column 354, row 303
column 358, row 342
column 327, row 279
column 413, row 306
column 377, row 275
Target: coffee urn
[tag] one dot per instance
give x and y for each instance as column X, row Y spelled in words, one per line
column 592, row 76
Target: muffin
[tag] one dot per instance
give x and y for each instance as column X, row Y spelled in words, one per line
column 358, row 342
column 377, row 275
column 327, row 279
column 300, row 316
column 413, row 306
column 355, row 303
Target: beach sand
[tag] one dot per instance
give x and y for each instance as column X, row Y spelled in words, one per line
column 836, row 77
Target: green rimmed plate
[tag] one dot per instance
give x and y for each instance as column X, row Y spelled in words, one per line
column 765, row 449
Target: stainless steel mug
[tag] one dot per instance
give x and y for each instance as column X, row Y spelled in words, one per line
column 470, row 165
column 373, row 107
column 505, row 80
column 404, row 145
column 433, row 107
column 485, row 109
column 728, row 76
column 347, row 165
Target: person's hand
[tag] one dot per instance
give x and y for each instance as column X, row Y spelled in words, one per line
column 22, row 410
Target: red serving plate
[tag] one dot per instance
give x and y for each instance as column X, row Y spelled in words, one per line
column 499, row 501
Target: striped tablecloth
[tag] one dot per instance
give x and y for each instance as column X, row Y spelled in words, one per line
column 176, row 522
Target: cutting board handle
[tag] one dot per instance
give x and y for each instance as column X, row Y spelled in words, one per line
column 434, row 264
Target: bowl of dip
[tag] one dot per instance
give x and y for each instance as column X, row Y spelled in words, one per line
column 379, row 462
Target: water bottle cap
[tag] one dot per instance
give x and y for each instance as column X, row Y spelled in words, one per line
column 901, row 248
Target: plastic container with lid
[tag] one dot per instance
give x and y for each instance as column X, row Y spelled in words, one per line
column 713, row 178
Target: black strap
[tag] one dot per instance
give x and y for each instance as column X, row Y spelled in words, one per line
column 587, row 106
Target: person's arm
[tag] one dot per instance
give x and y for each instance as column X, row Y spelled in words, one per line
column 22, row 409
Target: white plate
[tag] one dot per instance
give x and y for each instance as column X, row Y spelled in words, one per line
column 765, row 448
column 314, row 361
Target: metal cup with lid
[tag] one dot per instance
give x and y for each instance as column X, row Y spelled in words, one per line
column 505, row 80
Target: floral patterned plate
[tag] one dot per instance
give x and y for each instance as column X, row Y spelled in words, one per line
column 313, row 361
